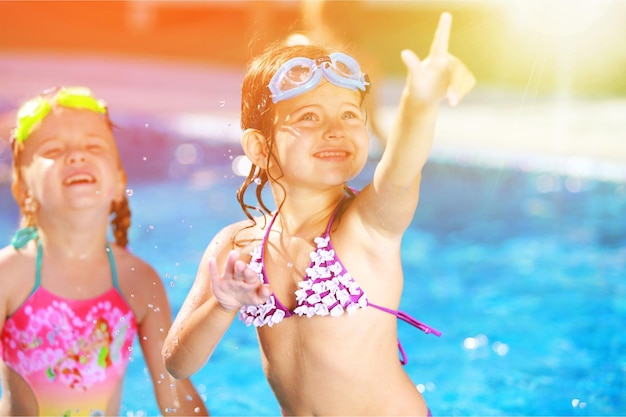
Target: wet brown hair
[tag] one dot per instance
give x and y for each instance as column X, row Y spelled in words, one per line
column 257, row 110
column 120, row 209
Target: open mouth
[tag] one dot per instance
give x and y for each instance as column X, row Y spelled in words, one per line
column 79, row 179
column 332, row 154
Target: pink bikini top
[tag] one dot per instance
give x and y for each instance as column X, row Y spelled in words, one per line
column 327, row 289
column 72, row 353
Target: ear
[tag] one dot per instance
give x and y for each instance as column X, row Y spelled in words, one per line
column 254, row 145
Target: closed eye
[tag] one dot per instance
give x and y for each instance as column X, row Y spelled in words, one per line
column 96, row 144
column 95, row 147
column 51, row 153
column 51, row 149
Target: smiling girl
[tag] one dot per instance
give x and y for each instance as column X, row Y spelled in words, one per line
column 321, row 277
column 71, row 302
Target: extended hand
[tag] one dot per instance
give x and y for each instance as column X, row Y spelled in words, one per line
column 440, row 75
column 239, row 285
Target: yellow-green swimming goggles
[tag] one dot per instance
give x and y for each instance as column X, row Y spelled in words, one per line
column 36, row 109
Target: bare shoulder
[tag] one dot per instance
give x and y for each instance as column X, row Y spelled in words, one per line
column 240, row 236
column 139, row 282
column 17, row 276
column 129, row 264
column 135, row 275
column 8, row 255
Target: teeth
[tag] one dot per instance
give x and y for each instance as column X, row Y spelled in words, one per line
column 330, row 154
column 79, row 178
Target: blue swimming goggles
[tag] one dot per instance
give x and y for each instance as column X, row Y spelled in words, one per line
column 299, row 75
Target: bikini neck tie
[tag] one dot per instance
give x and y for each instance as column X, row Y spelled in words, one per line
column 23, row 236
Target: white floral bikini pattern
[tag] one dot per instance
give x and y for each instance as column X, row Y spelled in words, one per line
column 328, row 289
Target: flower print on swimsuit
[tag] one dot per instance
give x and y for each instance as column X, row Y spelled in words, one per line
column 78, row 361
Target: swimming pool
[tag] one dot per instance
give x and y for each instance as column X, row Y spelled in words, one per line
column 523, row 272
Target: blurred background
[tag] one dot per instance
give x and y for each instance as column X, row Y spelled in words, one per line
column 544, row 46
column 551, row 74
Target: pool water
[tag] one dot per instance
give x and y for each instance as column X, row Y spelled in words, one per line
column 523, row 272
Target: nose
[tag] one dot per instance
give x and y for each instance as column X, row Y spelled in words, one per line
column 75, row 156
column 334, row 130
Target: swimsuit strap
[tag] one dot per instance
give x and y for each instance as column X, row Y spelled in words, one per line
column 39, row 261
column 332, row 218
column 113, row 268
column 408, row 319
column 265, row 237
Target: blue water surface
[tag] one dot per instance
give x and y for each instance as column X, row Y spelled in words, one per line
column 523, row 272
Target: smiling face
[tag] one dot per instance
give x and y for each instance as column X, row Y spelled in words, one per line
column 69, row 162
column 320, row 137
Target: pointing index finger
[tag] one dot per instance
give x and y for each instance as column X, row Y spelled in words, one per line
column 439, row 46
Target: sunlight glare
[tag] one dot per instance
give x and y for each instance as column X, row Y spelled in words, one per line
column 559, row 18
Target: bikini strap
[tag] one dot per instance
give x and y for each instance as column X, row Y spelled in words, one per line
column 410, row 320
column 113, row 268
column 265, row 237
column 332, row 217
column 38, row 262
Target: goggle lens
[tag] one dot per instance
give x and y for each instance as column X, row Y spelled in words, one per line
column 299, row 75
column 295, row 77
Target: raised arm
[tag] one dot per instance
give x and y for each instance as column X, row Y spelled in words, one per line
column 393, row 195
column 210, row 307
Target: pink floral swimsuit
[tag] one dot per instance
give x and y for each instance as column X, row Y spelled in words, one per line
column 72, row 353
column 327, row 289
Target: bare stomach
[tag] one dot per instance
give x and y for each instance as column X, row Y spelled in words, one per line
column 314, row 370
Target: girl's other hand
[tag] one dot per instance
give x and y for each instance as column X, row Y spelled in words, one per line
column 238, row 286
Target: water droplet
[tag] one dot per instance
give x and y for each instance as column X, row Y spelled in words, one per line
column 222, row 103
column 145, row 158
column 130, row 192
